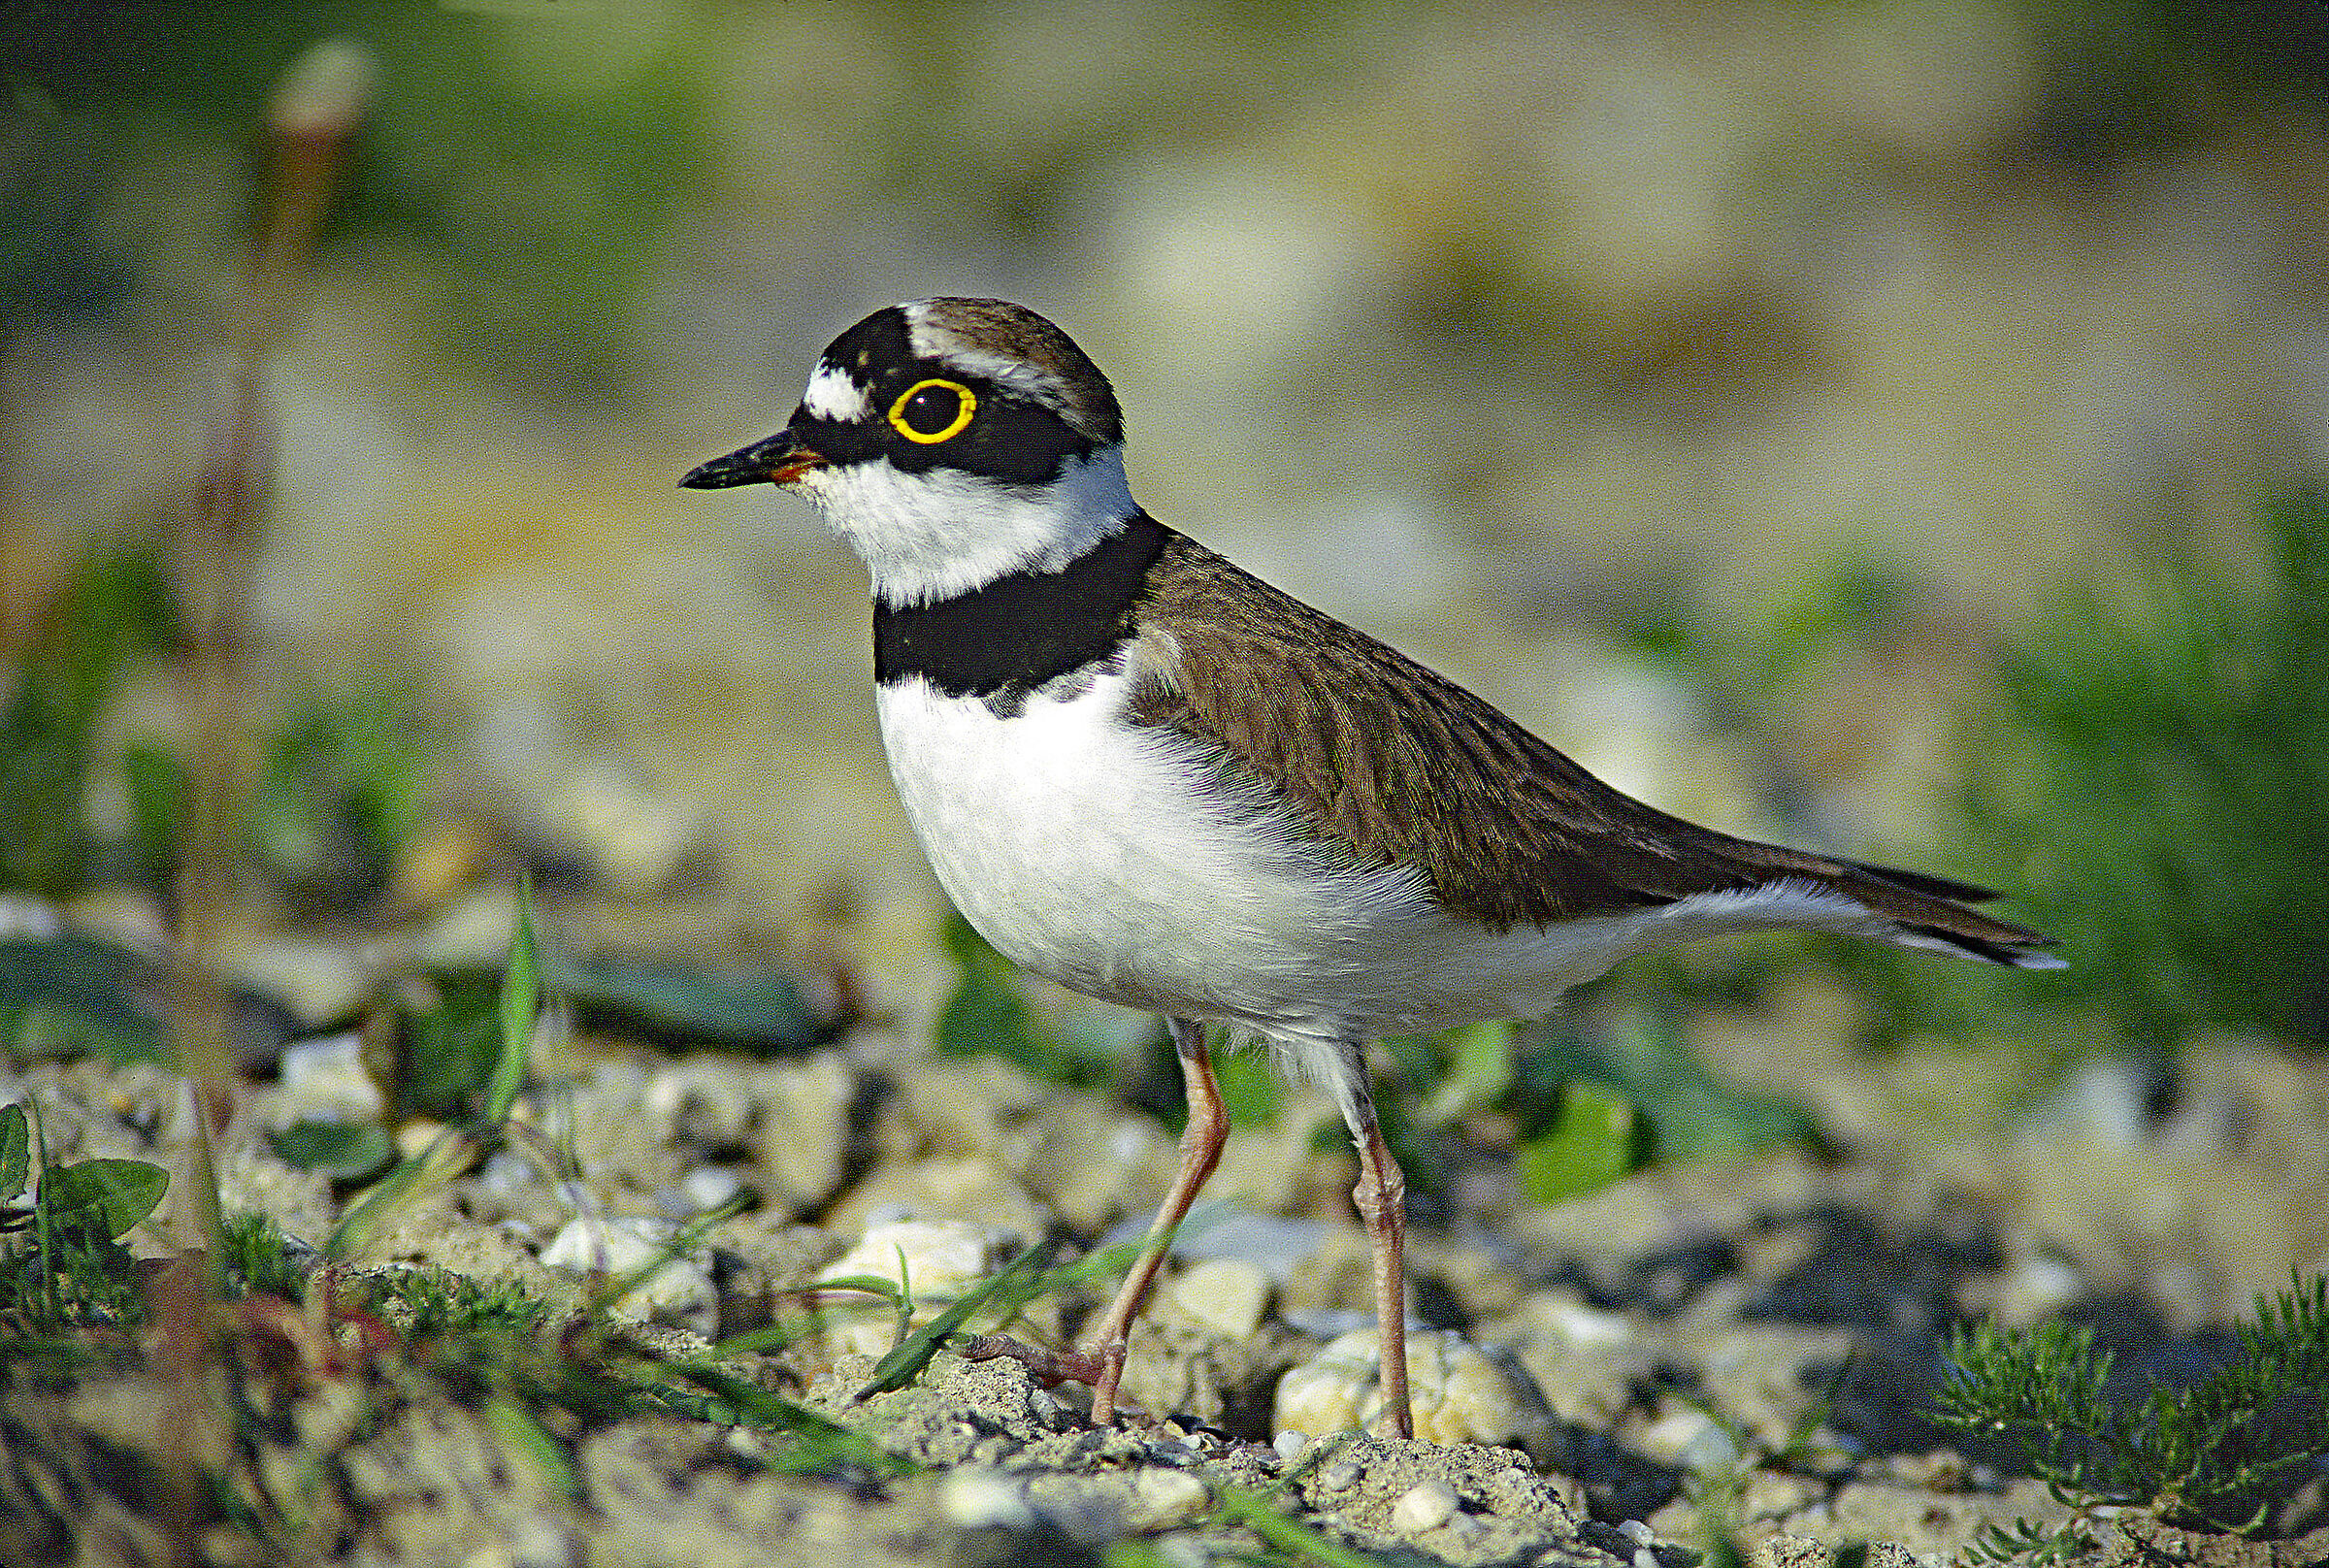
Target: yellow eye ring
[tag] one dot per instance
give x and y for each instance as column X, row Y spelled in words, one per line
column 966, row 405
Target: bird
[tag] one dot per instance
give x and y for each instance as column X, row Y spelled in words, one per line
column 1145, row 774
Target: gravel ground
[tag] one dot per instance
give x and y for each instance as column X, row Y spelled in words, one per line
column 1701, row 1354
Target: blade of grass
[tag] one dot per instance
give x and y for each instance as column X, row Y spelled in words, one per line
column 449, row 1151
column 906, row 1363
column 682, row 1241
column 825, row 1439
column 517, row 1427
column 520, row 988
column 1253, row 1509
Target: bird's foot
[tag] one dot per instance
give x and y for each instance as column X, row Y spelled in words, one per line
column 1095, row 1369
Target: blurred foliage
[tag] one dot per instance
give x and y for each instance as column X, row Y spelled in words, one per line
column 1592, row 1138
column 337, row 796
column 54, row 262
column 988, row 1014
column 2162, row 776
column 680, row 1002
column 341, row 777
column 2145, row 784
column 344, row 1151
column 537, row 158
column 2131, row 78
column 73, row 996
column 448, row 1039
column 113, row 608
column 1639, row 1059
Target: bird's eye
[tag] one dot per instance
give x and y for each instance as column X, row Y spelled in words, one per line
column 934, row 410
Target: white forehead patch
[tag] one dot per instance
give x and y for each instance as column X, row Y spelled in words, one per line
column 833, row 395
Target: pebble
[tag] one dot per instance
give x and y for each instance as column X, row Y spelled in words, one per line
column 940, row 1258
column 1340, row 1476
column 680, row 1290
column 504, row 1173
column 1457, row 1393
column 976, row 1499
column 1290, row 1444
column 706, row 1187
column 1226, row 1294
column 324, row 1080
column 1691, row 1439
column 1169, row 1496
column 1425, row 1506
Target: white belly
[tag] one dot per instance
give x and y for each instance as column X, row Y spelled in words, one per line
column 1100, row 856
column 1106, row 859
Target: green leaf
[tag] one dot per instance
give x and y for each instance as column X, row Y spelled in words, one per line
column 116, row 1194
column 73, row 995
column 1594, row 1138
column 16, row 1151
column 762, row 1009
column 1478, row 1072
column 517, row 1009
column 517, row 1427
column 345, row 1150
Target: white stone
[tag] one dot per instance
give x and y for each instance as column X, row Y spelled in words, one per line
column 1226, row 1294
column 940, row 1256
column 324, row 1080
column 1425, row 1506
column 1692, row 1439
column 1169, row 1497
column 707, row 1186
column 1454, row 1391
column 680, row 1290
column 976, row 1499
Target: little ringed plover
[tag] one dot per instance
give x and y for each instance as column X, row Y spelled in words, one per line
column 1158, row 780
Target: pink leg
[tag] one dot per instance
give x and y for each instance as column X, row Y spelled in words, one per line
column 1381, row 1197
column 1101, row 1365
column 1201, row 1142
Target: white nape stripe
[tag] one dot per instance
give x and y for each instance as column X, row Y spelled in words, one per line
column 931, row 340
column 931, row 535
column 833, row 395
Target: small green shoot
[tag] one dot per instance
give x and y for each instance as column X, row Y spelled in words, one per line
column 2214, row 1453
column 452, row 1149
column 913, row 1354
column 516, row 1014
column 436, row 1304
column 2031, row 1544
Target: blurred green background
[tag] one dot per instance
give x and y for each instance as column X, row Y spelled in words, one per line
column 1880, row 425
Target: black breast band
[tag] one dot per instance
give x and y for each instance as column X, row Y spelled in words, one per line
column 1017, row 632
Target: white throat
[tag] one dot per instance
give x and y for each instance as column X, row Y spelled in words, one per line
column 927, row 537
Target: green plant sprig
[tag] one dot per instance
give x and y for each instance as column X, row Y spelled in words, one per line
column 2211, row 1453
